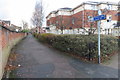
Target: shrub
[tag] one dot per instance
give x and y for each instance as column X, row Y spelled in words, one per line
column 81, row 45
column 46, row 38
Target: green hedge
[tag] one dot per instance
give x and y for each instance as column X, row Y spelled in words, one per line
column 81, row 45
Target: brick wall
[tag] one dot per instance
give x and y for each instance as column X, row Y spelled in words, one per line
column 8, row 39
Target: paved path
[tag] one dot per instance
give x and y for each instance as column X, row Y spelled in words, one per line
column 40, row 61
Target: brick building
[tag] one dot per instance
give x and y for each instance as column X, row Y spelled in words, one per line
column 10, row 26
column 79, row 19
column 5, row 23
column 116, row 29
column 38, row 30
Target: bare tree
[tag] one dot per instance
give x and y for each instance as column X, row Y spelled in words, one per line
column 38, row 14
column 25, row 25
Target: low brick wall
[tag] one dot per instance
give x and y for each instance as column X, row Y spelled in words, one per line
column 8, row 39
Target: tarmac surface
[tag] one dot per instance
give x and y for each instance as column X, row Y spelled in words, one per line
column 39, row 61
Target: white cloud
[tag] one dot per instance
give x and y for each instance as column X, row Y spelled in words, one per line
column 17, row 10
column 3, row 10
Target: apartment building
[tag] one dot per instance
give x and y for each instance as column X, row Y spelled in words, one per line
column 116, row 30
column 79, row 20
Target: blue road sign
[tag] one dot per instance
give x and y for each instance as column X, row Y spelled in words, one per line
column 100, row 17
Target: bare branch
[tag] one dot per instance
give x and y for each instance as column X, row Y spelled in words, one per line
column 38, row 15
column 24, row 24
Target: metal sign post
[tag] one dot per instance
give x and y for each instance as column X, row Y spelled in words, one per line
column 99, row 61
column 98, row 18
column 99, row 13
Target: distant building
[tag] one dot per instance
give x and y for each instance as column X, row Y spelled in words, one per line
column 10, row 26
column 116, row 30
column 79, row 19
column 5, row 23
column 15, row 28
column 38, row 30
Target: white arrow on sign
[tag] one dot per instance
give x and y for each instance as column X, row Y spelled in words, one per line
column 99, row 12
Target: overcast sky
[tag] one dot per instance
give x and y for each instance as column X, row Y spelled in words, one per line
column 18, row 10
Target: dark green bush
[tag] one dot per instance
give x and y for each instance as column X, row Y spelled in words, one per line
column 81, row 45
column 46, row 38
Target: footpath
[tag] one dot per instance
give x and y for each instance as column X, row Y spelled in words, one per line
column 40, row 61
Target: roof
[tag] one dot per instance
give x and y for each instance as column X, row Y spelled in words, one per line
column 94, row 3
column 7, row 22
column 91, row 2
column 8, row 28
column 88, row 2
column 66, row 8
column 53, row 12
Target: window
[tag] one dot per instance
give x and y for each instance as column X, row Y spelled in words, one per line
column 105, row 31
column 90, row 18
column 73, row 21
column 50, row 23
column 109, row 6
column 57, row 22
column 70, row 27
column 93, row 7
column 109, row 18
column 78, row 30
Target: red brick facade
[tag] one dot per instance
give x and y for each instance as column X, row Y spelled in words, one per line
column 8, row 36
column 79, row 17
